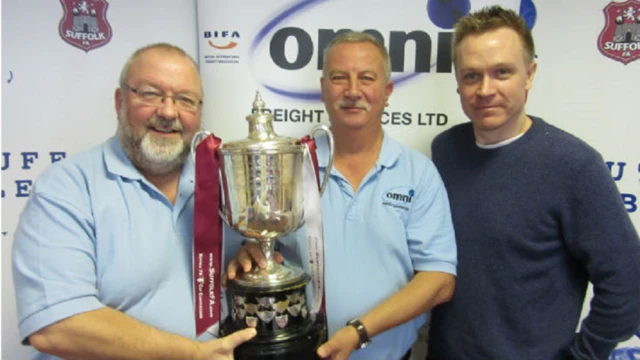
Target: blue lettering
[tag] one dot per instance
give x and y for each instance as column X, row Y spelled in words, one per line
column 221, row 34
column 57, row 156
column 620, row 169
column 23, row 188
column 5, row 160
column 28, row 157
column 630, row 202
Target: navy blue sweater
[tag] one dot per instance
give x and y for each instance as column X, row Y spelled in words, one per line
column 535, row 221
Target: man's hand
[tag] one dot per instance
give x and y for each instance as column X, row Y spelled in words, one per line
column 341, row 344
column 222, row 349
column 248, row 255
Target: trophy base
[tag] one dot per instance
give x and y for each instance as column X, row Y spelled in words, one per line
column 279, row 312
column 301, row 346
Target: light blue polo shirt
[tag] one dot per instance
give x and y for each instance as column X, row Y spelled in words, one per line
column 96, row 233
column 375, row 239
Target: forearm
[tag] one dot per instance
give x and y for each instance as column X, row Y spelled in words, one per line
column 426, row 290
column 107, row 334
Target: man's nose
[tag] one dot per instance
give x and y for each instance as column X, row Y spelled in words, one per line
column 487, row 87
column 353, row 89
column 168, row 108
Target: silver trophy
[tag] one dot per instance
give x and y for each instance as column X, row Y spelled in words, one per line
column 262, row 199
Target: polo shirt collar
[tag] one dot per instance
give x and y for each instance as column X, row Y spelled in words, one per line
column 389, row 153
column 117, row 161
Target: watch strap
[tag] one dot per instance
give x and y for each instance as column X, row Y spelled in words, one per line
column 363, row 336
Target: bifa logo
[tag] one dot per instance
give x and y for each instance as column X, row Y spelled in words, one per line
column 398, row 197
column 222, row 39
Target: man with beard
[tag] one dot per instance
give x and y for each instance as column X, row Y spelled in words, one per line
column 102, row 253
column 388, row 237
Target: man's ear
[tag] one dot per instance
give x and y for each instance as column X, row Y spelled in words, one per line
column 531, row 72
column 118, row 99
column 388, row 89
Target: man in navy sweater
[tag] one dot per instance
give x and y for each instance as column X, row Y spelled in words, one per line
column 537, row 217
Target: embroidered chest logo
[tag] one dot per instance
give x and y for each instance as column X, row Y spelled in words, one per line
column 399, row 197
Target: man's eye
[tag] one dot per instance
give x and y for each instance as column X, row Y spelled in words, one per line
column 147, row 94
column 470, row 76
column 186, row 100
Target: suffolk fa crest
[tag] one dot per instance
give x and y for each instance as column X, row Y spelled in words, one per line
column 84, row 24
column 620, row 38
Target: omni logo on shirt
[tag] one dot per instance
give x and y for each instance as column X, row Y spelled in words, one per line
column 398, row 197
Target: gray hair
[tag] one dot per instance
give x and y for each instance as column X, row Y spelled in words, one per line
column 352, row 37
column 124, row 74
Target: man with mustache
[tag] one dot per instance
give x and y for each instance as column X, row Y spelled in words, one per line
column 389, row 244
column 536, row 213
column 102, row 253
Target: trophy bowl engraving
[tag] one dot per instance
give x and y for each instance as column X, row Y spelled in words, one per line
column 262, row 192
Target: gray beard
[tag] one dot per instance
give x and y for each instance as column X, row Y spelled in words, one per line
column 150, row 154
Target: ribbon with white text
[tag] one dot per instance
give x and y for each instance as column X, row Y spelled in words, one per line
column 207, row 235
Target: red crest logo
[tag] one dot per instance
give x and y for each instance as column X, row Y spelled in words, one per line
column 620, row 38
column 84, row 24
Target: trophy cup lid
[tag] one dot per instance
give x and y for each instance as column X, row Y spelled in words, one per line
column 262, row 137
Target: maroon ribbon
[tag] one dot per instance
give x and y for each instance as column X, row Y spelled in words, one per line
column 207, row 235
column 311, row 144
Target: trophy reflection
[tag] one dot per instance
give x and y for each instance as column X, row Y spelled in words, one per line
column 262, row 199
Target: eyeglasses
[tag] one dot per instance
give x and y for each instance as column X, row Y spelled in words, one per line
column 154, row 97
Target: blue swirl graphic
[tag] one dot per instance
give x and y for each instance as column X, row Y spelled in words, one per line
column 445, row 13
column 280, row 18
column 528, row 12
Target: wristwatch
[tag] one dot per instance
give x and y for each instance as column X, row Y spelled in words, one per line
column 362, row 333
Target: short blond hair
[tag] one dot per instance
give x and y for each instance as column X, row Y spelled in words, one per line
column 492, row 18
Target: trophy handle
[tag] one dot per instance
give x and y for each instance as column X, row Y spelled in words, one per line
column 197, row 138
column 327, row 172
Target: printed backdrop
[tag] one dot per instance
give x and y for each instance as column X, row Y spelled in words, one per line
column 61, row 61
